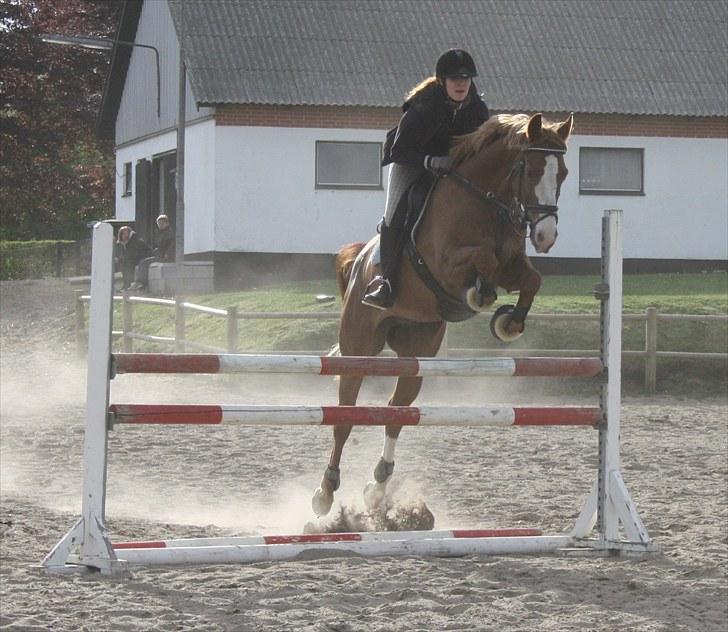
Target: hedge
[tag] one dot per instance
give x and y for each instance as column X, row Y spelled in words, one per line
column 38, row 259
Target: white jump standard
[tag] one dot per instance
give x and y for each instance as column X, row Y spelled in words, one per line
column 608, row 509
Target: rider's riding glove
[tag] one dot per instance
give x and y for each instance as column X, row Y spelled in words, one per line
column 439, row 165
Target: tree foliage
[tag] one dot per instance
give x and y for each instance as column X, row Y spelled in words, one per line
column 55, row 174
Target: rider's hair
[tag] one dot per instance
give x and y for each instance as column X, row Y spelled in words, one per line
column 422, row 85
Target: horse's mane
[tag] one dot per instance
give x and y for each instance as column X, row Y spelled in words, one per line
column 510, row 129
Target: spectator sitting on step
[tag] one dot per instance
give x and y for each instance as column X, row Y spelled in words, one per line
column 163, row 253
column 132, row 250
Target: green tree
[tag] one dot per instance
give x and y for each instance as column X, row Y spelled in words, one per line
column 55, row 175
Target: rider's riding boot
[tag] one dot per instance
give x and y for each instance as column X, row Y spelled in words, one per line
column 380, row 292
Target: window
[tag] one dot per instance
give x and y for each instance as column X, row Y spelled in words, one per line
column 611, row 171
column 127, row 180
column 348, row 165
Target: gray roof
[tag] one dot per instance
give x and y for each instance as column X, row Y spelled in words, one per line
column 600, row 56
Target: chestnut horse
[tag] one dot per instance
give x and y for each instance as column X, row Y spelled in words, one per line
column 506, row 178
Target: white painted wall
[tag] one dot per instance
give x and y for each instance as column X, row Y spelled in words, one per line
column 137, row 114
column 253, row 190
column 266, row 200
column 683, row 214
column 265, row 195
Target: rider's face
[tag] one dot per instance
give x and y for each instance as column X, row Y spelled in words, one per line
column 457, row 87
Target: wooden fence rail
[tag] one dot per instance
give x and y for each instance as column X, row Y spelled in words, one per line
column 651, row 317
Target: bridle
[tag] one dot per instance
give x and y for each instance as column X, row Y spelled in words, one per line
column 518, row 214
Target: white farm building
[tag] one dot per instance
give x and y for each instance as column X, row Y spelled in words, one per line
column 288, row 102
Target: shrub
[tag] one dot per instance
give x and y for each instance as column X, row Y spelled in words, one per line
column 37, row 259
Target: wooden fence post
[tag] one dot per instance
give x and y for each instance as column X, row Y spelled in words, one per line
column 232, row 329
column 80, row 325
column 59, row 260
column 651, row 350
column 127, row 320
column 179, row 324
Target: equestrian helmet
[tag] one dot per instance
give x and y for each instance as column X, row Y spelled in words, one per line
column 455, row 63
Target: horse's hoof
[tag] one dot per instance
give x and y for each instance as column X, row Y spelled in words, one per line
column 501, row 325
column 374, row 495
column 476, row 301
column 321, row 502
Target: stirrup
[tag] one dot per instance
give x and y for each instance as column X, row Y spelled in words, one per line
column 381, row 296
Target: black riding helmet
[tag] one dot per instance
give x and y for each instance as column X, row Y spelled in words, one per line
column 455, row 63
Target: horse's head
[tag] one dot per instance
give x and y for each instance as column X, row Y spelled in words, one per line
column 522, row 158
column 536, row 178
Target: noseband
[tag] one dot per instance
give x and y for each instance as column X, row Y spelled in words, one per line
column 520, row 215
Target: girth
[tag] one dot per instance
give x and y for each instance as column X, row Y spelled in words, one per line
column 451, row 309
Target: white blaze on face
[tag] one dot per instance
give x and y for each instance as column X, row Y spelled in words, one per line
column 545, row 192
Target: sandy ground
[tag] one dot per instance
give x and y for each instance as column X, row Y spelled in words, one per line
column 183, row 482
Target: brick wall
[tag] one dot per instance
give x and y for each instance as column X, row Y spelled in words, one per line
column 384, row 118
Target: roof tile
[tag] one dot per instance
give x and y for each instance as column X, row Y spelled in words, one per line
column 623, row 56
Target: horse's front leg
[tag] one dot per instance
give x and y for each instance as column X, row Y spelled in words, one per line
column 482, row 293
column 520, row 275
column 323, row 497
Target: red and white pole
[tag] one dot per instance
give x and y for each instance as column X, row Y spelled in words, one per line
column 261, row 415
column 355, row 365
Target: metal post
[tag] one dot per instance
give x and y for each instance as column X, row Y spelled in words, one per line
column 180, row 173
column 651, row 350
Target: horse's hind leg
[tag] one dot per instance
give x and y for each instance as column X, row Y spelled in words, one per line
column 354, row 339
column 414, row 340
column 323, row 497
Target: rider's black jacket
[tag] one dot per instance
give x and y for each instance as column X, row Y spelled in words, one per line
column 429, row 122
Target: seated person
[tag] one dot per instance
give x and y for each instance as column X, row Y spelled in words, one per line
column 132, row 249
column 163, row 253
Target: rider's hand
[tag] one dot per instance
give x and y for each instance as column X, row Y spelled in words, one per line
column 439, row 165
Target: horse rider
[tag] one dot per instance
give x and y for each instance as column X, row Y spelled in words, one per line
column 436, row 110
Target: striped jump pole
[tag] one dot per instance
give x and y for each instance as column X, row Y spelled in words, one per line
column 381, row 544
column 354, row 365
column 314, row 538
column 452, row 416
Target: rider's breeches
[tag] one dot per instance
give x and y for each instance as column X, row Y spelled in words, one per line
column 400, row 178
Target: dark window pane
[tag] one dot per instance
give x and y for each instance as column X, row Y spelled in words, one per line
column 610, row 170
column 341, row 164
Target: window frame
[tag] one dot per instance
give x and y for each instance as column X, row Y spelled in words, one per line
column 630, row 192
column 127, row 180
column 347, row 186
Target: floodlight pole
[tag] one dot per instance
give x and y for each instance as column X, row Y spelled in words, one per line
column 180, row 172
column 103, row 43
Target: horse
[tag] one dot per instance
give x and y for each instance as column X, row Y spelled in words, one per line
column 506, row 177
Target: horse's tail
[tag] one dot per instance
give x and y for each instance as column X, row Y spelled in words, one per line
column 344, row 262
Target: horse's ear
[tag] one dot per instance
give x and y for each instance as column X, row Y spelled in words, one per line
column 564, row 129
column 534, row 128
